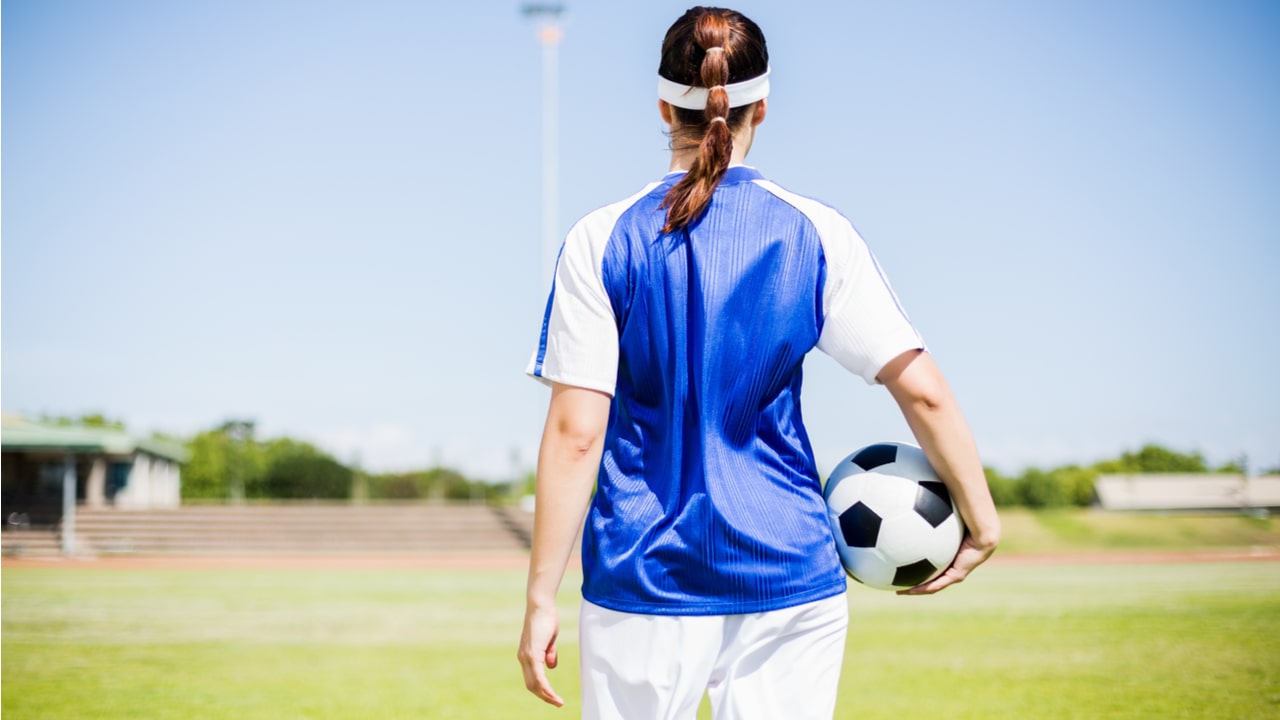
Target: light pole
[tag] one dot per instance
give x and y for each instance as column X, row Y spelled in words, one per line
column 549, row 35
column 69, row 505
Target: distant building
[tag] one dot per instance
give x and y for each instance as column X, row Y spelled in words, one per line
column 1190, row 491
column 112, row 469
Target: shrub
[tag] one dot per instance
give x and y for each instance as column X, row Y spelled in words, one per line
column 1004, row 490
column 1040, row 489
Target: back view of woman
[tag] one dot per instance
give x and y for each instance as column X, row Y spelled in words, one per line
column 674, row 339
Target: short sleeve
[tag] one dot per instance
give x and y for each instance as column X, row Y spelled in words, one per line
column 579, row 341
column 864, row 325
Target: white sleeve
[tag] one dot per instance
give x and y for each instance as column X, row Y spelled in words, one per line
column 579, row 343
column 864, row 326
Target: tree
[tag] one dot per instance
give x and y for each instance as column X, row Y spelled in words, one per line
column 1004, row 490
column 1154, row 459
column 298, row 470
column 1040, row 489
column 438, row 483
column 204, row 475
column 394, row 487
column 93, row 420
column 449, row 484
column 1077, row 483
column 224, row 463
column 1233, row 467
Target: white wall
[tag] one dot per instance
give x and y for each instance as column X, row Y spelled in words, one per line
column 1157, row 491
column 154, row 482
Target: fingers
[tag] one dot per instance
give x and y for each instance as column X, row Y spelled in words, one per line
column 968, row 558
column 538, row 653
column 949, row 577
column 534, row 665
column 535, row 680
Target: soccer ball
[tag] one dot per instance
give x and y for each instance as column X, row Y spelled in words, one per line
column 894, row 521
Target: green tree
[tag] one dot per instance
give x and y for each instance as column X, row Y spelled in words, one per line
column 1077, row 483
column 204, row 475
column 402, row 486
column 225, row 463
column 1154, row 459
column 299, row 470
column 1004, row 490
column 1234, row 467
column 1040, row 489
column 528, row 483
column 93, row 420
column 436, row 483
column 448, row 484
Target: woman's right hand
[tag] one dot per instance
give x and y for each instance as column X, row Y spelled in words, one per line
column 568, row 465
column 537, row 652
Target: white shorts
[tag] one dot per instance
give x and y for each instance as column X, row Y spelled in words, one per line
column 779, row 664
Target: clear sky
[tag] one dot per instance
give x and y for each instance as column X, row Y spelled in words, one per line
column 325, row 216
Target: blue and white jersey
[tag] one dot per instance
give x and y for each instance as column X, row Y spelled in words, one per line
column 709, row 500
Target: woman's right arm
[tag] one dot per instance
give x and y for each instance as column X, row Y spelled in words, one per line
column 568, row 463
column 931, row 410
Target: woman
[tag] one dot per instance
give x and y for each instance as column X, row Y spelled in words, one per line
column 673, row 341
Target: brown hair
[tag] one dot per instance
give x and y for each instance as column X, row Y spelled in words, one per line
column 687, row 58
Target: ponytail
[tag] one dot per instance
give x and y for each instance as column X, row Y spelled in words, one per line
column 719, row 36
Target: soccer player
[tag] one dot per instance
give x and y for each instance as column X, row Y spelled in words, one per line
column 673, row 341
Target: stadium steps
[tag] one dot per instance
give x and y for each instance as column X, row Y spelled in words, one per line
column 30, row 542
column 293, row 529
column 518, row 523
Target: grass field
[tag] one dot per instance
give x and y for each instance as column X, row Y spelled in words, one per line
column 1073, row 531
column 1196, row 640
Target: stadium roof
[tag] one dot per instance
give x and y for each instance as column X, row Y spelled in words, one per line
column 17, row 435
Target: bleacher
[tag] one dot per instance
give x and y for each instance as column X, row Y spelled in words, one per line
column 286, row 529
column 1188, row 491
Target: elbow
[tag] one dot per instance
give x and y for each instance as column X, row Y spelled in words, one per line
column 919, row 387
column 577, row 438
column 929, row 398
column 576, row 423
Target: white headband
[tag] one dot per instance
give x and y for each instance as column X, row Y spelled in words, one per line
column 691, row 97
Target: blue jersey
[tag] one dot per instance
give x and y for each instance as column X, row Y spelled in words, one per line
column 708, row 500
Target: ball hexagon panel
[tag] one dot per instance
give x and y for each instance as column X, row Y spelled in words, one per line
column 888, row 495
column 869, row 566
column 906, row 538
column 948, row 536
column 912, row 463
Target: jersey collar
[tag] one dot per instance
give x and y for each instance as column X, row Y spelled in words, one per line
column 735, row 174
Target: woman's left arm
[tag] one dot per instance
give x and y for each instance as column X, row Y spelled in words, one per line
column 931, row 411
column 568, row 464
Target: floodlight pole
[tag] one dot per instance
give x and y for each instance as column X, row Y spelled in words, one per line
column 549, row 36
column 69, row 505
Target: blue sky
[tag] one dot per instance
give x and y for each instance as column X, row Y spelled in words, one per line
column 326, row 216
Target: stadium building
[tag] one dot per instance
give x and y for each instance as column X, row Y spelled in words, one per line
column 109, row 468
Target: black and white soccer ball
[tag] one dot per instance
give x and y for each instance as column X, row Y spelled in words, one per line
column 894, row 521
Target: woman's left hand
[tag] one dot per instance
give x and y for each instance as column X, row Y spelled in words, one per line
column 970, row 556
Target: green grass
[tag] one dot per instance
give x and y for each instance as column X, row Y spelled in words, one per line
column 1073, row 530
column 1045, row 642
column 1153, row 641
